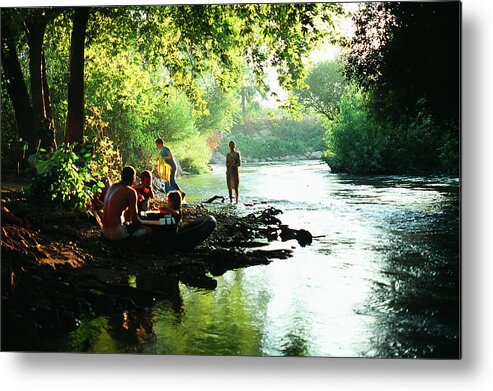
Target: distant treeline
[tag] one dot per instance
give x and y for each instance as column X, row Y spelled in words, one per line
column 274, row 138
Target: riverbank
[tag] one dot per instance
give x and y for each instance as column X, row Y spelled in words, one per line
column 58, row 269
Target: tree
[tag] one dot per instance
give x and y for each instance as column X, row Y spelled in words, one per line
column 34, row 116
column 224, row 37
column 75, row 115
column 35, row 23
column 325, row 86
column 405, row 52
column 15, row 81
column 251, row 91
column 219, row 117
column 176, row 45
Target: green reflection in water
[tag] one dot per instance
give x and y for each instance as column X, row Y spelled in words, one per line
column 92, row 336
column 209, row 324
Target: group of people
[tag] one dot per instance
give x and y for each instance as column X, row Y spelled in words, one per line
column 124, row 200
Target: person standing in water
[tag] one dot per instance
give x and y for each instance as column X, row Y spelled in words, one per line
column 233, row 161
column 166, row 154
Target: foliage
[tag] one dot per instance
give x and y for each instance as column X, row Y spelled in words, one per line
column 220, row 110
column 358, row 142
column 277, row 35
column 449, row 152
column 404, row 52
column 72, row 176
column 57, row 53
column 193, row 153
column 404, row 114
column 9, row 126
column 173, row 72
column 355, row 141
column 325, row 85
column 276, row 137
column 64, row 177
column 415, row 144
column 174, row 120
column 106, row 158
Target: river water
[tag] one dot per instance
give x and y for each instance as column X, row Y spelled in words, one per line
column 382, row 278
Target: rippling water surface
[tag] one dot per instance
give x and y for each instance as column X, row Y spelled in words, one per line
column 381, row 279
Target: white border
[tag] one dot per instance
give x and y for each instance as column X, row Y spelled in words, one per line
column 473, row 372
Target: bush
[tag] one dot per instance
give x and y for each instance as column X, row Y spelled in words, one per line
column 355, row 141
column 106, row 159
column 73, row 178
column 415, row 142
column 192, row 154
column 449, row 152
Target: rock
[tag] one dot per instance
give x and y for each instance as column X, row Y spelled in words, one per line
column 217, row 158
column 304, row 237
column 317, row 155
column 179, row 170
column 217, row 197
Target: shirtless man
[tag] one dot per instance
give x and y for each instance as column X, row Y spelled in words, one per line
column 120, row 206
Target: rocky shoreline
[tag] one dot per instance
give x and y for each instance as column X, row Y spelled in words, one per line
column 59, row 269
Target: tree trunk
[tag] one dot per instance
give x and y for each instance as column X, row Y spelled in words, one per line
column 17, row 88
column 35, row 34
column 48, row 138
column 75, row 115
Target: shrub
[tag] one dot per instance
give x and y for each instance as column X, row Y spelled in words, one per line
column 106, row 158
column 192, row 154
column 355, row 141
column 71, row 176
column 449, row 152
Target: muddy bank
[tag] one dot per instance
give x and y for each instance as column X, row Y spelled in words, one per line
column 58, row 269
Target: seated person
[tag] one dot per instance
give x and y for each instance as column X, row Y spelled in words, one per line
column 191, row 234
column 96, row 203
column 107, row 184
column 120, row 216
column 173, row 207
column 144, row 190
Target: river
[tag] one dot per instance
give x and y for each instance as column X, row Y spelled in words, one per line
column 382, row 278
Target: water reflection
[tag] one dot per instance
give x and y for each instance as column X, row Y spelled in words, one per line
column 209, row 323
column 381, row 279
column 388, row 264
column 417, row 300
